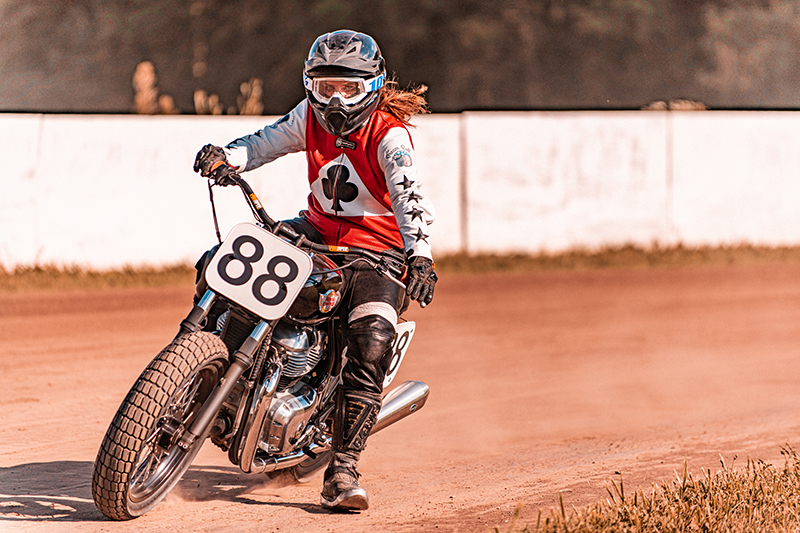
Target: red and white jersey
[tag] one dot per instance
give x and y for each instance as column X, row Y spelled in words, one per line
column 364, row 191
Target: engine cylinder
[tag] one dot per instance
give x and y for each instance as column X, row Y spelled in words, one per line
column 298, row 347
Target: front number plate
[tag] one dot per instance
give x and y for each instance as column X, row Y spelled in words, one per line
column 259, row 271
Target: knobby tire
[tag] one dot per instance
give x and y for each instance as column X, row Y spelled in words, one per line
column 132, row 474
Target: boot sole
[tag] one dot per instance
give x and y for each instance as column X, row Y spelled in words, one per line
column 349, row 500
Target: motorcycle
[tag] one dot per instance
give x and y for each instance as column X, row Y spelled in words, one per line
column 254, row 368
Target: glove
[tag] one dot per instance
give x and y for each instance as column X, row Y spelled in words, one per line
column 208, row 159
column 421, row 280
column 212, row 163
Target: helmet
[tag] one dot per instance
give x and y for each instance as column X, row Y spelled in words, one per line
column 342, row 76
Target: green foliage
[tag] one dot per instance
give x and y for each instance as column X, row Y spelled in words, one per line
column 753, row 51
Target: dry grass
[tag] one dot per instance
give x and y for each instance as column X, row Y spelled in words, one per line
column 49, row 277
column 759, row 497
column 76, row 278
column 628, row 256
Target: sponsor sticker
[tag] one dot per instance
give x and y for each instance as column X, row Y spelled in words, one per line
column 400, row 156
column 254, row 198
column 328, row 301
column 341, row 142
column 402, row 159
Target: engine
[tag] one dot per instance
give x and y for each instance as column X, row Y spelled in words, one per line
column 287, row 418
column 298, row 348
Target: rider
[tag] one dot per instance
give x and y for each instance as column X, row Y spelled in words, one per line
column 364, row 193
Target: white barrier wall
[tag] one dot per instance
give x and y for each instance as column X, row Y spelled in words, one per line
column 737, row 178
column 105, row 191
column 109, row 191
column 554, row 181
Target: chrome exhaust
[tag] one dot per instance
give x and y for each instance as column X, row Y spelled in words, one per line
column 407, row 398
column 263, row 465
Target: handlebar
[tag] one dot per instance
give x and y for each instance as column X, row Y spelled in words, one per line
column 380, row 262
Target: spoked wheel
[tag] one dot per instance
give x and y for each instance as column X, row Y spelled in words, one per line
column 140, row 461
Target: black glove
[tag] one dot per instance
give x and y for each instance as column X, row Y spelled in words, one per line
column 421, row 279
column 212, row 163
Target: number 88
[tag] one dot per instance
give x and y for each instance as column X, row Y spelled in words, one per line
column 247, row 263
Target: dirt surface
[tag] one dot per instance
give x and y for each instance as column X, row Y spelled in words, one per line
column 542, row 384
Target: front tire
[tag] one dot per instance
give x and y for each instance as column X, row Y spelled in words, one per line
column 140, row 461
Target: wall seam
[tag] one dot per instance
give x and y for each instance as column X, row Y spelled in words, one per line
column 463, row 192
column 669, row 215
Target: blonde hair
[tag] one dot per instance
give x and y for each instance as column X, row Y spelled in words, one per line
column 404, row 104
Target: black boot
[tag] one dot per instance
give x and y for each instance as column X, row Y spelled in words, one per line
column 356, row 413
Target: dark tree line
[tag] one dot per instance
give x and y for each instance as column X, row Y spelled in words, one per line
column 80, row 55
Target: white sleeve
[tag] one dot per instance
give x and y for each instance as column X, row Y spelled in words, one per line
column 413, row 211
column 287, row 135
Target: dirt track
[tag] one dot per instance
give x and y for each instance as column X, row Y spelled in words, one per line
column 541, row 384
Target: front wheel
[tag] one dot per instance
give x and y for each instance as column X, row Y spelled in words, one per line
column 140, row 461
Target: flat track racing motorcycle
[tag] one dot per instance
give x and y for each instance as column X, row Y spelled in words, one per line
column 254, row 368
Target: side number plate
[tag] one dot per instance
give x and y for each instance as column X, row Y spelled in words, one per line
column 405, row 331
column 259, row 271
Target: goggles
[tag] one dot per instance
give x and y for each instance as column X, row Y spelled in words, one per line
column 351, row 90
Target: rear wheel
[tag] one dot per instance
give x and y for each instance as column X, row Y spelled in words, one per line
column 140, row 461
column 311, row 468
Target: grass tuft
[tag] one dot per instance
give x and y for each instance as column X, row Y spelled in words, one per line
column 758, row 497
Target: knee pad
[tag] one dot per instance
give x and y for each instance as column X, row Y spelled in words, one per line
column 369, row 342
column 370, row 337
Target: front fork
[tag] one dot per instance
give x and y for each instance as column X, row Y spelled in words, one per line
column 243, row 359
column 198, row 313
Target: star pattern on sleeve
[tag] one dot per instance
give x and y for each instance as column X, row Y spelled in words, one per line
column 415, row 214
column 421, row 236
column 414, row 197
column 407, row 183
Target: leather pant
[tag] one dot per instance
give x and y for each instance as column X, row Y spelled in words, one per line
column 370, row 308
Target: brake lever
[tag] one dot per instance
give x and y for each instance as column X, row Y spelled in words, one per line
column 383, row 271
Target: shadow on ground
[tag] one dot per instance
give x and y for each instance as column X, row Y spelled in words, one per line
column 62, row 490
column 58, row 490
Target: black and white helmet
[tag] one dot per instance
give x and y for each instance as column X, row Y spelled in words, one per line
column 343, row 75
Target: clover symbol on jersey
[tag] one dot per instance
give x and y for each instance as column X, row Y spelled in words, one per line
column 337, row 188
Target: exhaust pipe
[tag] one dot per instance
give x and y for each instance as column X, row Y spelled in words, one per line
column 409, row 397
